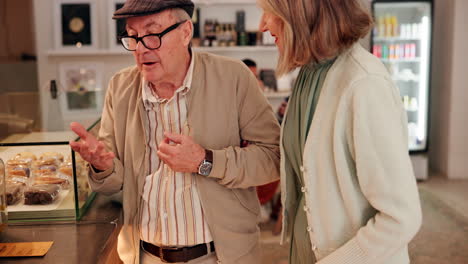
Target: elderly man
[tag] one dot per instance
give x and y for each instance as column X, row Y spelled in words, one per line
column 169, row 139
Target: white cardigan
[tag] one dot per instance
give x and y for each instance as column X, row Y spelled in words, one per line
column 362, row 201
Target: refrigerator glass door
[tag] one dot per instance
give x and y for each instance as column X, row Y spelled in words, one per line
column 402, row 39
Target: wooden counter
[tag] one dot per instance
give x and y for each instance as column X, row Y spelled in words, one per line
column 91, row 240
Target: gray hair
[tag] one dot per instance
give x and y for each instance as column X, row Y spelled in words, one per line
column 180, row 14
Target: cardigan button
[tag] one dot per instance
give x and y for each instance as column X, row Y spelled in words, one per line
column 306, row 209
column 303, row 189
column 309, row 228
column 314, row 247
column 302, row 168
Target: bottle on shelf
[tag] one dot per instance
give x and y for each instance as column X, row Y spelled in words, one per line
column 412, row 50
column 388, row 26
column 227, row 37
column 385, row 52
column 413, row 104
column 391, row 51
column 232, row 35
column 381, row 26
column 412, row 133
column 207, row 28
column 415, row 30
column 218, row 36
column 397, row 52
column 243, row 39
column 407, row 50
column 394, row 26
column 406, row 102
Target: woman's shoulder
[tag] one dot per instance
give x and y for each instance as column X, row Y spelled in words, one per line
column 355, row 65
column 360, row 63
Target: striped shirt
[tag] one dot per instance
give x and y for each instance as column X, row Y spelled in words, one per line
column 171, row 212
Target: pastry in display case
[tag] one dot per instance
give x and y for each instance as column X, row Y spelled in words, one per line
column 45, row 179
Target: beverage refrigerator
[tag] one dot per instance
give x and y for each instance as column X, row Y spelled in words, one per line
column 401, row 38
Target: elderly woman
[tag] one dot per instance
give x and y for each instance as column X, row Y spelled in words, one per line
column 348, row 188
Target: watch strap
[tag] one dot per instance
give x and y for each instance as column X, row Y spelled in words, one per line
column 209, row 155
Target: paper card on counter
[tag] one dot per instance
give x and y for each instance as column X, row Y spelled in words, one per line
column 25, row 249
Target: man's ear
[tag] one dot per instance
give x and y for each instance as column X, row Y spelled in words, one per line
column 187, row 29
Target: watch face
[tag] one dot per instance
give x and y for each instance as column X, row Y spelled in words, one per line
column 76, row 24
column 205, row 168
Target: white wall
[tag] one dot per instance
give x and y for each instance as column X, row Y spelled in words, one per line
column 458, row 146
column 48, row 64
column 449, row 137
column 441, row 91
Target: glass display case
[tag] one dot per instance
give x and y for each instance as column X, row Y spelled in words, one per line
column 45, row 179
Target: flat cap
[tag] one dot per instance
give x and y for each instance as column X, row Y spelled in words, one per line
column 134, row 8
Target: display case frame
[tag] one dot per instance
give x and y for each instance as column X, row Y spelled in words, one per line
column 73, row 203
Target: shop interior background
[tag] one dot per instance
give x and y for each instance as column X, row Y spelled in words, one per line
column 30, row 59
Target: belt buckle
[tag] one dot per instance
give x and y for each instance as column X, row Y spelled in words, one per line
column 161, row 255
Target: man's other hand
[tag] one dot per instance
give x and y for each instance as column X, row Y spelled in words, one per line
column 91, row 149
column 180, row 153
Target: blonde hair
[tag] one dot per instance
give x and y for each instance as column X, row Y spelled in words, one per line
column 316, row 30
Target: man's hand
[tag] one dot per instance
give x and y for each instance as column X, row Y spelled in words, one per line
column 91, row 149
column 181, row 153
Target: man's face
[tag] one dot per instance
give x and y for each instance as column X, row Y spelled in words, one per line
column 164, row 63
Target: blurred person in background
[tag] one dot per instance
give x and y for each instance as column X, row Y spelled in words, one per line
column 252, row 65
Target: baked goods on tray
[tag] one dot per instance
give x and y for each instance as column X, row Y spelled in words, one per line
column 66, row 168
column 25, row 156
column 50, row 180
column 40, row 177
column 51, row 158
column 41, row 194
column 13, row 192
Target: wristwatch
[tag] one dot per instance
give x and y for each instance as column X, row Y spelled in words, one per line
column 206, row 165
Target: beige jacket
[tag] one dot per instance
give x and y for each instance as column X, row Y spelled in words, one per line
column 224, row 105
column 362, row 201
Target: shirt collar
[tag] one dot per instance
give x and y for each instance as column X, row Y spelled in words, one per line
column 149, row 96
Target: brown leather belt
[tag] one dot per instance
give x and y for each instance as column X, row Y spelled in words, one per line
column 174, row 255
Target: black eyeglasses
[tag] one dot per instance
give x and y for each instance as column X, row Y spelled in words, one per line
column 150, row 41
